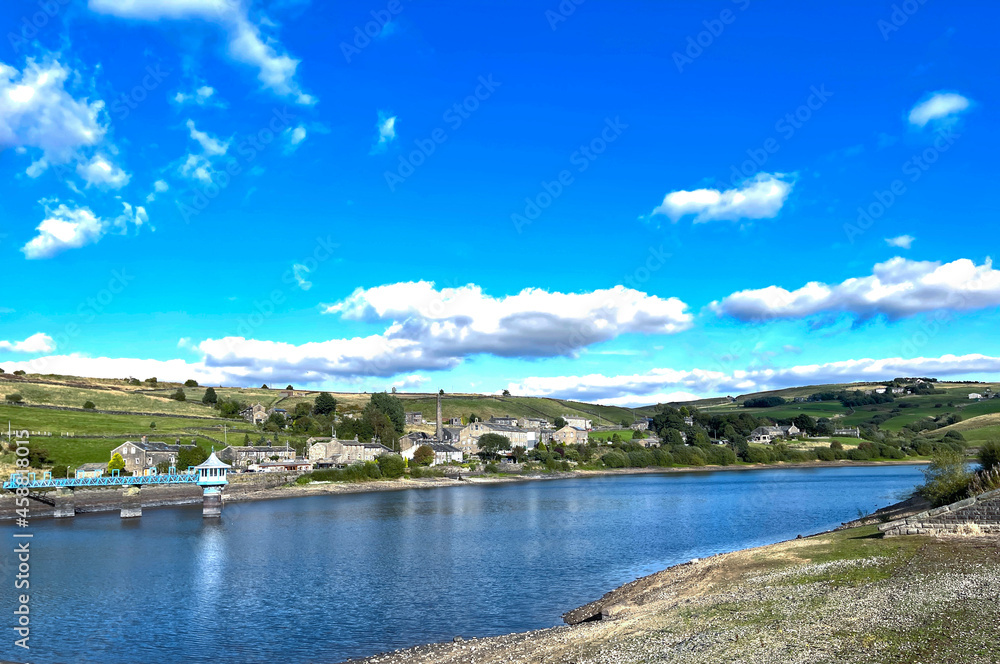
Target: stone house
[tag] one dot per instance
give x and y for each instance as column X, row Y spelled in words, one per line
column 579, row 422
column 768, row 434
column 534, row 423
column 641, row 425
column 468, row 439
column 144, row 455
column 256, row 414
column 506, row 421
column 453, row 422
column 570, row 435
column 345, row 452
column 242, row 456
column 443, row 452
column 414, row 419
column 88, row 470
column 286, row 466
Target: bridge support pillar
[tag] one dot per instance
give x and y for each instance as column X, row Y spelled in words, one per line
column 64, row 504
column 131, row 502
column 211, row 504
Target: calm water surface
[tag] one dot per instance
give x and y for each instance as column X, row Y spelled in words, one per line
column 322, row 579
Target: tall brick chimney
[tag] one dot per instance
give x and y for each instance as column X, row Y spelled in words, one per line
column 440, row 421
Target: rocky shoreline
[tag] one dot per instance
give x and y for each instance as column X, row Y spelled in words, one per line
column 842, row 596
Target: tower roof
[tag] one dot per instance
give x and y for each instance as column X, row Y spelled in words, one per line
column 213, row 462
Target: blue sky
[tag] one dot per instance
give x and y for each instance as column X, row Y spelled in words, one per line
column 620, row 202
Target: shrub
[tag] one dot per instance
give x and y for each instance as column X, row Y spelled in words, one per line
column 859, row 454
column 190, row 383
column 491, row 468
column 424, row 455
column 179, row 395
column 663, row 458
column 836, row 445
column 15, row 398
column 688, row 456
column 825, row 454
column 989, row 455
column 759, row 455
column 615, row 459
column 946, row 478
column 60, row 472
column 640, row 459
column 89, row 405
column 392, row 466
column 719, row 455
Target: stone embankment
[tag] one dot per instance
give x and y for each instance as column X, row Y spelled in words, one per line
column 972, row 516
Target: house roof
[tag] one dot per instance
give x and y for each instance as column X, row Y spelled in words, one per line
column 157, row 446
column 92, row 466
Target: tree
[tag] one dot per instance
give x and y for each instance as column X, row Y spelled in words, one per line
column 116, row 463
column 491, row 444
column 506, row 393
column 560, row 422
column 152, row 425
column 89, row 405
column 380, row 426
column 60, row 472
column 151, row 381
column 473, row 418
column 392, row 407
column 179, row 395
column 14, row 398
column 275, row 422
column 190, row 456
column 21, row 372
column 424, row 455
column 163, row 468
column 289, row 387
column 441, row 392
column 210, row 397
column 392, row 466
column 246, row 439
column 325, row 404
column 190, row 383
column 946, row 478
column 989, row 455
column 264, row 386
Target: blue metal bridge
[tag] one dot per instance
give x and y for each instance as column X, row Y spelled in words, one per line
column 46, row 481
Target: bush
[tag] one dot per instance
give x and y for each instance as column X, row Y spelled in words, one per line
column 423, row 455
column 491, row 468
column 718, row 455
column 640, row 459
column 392, row 466
column 859, row 454
column 663, row 458
column 190, row 383
column 15, row 398
column 825, row 454
column 179, row 395
column 89, row 405
column 759, row 455
column 60, row 472
column 989, row 455
column 836, row 445
column 615, row 459
column 688, row 456
column 946, row 478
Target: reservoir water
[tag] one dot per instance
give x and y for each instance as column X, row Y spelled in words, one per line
column 323, row 579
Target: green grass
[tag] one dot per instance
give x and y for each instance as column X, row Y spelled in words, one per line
column 81, row 422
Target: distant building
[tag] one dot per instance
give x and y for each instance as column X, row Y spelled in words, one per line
column 468, row 439
column 453, row 422
column 579, row 422
column 414, row 419
column 849, row 433
column 506, row 421
column 768, row 434
column 345, row 452
column 534, row 423
column 240, row 457
column 976, row 396
column 293, row 466
column 144, row 455
column 255, row 414
column 641, row 425
column 689, row 421
column 570, row 435
column 443, row 452
column 88, row 470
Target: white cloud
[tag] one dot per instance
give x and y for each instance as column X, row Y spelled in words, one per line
column 429, row 329
column 293, row 137
column 100, row 171
column 660, row 385
column 939, row 106
column 202, row 96
column 36, row 343
column 386, row 127
column 247, row 43
column 897, row 288
column 210, row 144
column 761, row 197
column 300, row 271
column 903, row 241
column 66, row 227
column 198, row 166
column 39, row 113
column 159, row 187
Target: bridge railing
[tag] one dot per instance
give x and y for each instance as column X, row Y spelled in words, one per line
column 32, row 481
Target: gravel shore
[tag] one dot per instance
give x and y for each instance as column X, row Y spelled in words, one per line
column 845, row 596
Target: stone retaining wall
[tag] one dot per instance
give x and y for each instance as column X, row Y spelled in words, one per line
column 980, row 514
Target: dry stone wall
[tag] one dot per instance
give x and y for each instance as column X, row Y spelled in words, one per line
column 980, row 514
